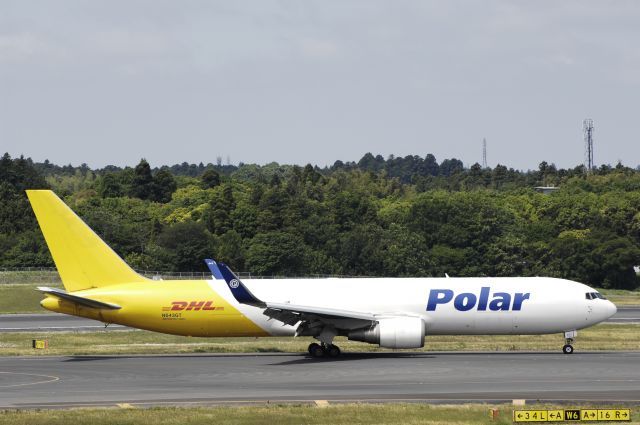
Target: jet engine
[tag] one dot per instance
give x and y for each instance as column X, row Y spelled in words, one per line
column 393, row 332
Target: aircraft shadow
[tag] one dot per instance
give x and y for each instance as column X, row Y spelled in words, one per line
column 86, row 358
column 304, row 358
column 307, row 359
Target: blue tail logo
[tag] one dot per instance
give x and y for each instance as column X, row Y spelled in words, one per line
column 240, row 292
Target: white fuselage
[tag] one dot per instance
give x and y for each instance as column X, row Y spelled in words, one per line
column 448, row 306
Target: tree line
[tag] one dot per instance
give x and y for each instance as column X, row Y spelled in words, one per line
column 405, row 216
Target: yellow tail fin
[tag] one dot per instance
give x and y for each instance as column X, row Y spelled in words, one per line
column 83, row 259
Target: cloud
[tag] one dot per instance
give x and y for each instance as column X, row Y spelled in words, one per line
column 22, row 47
column 255, row 78
column 318, row 49
column 124, row 42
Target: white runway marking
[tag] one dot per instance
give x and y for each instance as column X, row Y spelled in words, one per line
column 50, row 379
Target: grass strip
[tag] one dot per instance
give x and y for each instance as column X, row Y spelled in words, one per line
column 621, row 297
column 22, row 298
column 335, row 414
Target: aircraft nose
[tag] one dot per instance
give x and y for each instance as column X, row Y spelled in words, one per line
column 611, row 309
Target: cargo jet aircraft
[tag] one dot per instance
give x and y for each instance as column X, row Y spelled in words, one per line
column 389, row 312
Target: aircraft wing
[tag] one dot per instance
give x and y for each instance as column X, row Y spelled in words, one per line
column 83, row 301
column 287, row 313
column 318, row 311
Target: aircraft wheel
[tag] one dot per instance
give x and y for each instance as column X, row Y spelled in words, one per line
column 567, row 349
column 316, row 350
column 312, row 347
column 333, row 351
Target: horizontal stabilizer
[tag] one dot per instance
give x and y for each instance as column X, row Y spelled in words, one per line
column 87, row 302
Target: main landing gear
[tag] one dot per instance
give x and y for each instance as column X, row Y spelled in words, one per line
column 323, row 350
column 569, row 338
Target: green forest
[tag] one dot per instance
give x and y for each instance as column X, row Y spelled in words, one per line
column 395, row 216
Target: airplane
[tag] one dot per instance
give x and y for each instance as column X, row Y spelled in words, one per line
column 395, row 313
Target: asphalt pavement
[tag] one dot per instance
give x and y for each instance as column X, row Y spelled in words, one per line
column 185, row 380
column 50, row 322
column 626, row 315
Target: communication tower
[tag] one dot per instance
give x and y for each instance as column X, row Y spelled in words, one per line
column 587, row 129
column 484, row 153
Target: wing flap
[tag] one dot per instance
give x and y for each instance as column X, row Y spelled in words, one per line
column 86, row 302
column 321, row 312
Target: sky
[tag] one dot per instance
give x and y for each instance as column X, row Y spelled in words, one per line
column 303, row 81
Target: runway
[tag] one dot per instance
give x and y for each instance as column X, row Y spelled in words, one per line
column 60, row 382
column 626, row 315
column 50, row 323
column 61, row 322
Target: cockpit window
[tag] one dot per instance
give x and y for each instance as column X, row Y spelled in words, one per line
column 594, row 295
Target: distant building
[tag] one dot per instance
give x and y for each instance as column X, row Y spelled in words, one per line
column 546, row 190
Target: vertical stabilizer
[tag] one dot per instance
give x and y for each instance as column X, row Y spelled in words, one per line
column 83, row 259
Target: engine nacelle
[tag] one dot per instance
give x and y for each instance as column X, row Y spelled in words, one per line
column 394, row 332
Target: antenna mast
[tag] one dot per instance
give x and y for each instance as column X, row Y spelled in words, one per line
column 587, row 129
column 484, row 153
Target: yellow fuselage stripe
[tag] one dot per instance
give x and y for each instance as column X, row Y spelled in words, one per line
column 178, row 307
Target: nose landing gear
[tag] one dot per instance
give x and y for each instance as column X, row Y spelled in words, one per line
column 569, row 338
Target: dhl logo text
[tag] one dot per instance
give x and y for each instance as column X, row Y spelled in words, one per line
column 191, row 305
